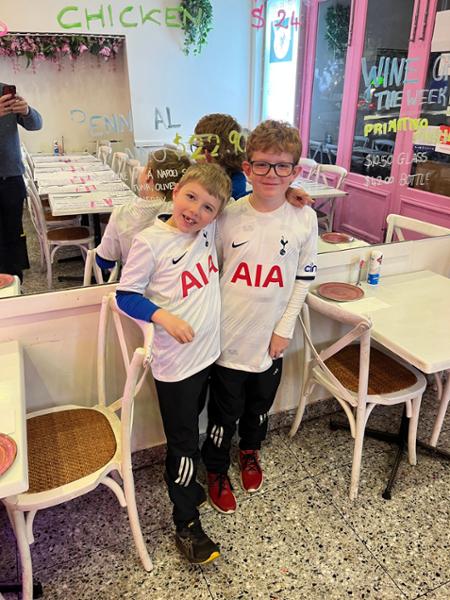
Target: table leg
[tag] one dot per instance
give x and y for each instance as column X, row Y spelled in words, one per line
column 441, row 412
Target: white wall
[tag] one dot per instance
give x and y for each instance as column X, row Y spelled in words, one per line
column 58, row 334
column 86, row 100
column 160, row 74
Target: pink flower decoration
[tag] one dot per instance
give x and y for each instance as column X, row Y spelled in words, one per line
column 106, row 52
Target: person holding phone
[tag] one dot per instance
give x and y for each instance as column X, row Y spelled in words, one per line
column 14, row 111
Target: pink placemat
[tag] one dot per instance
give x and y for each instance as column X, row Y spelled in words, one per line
column 336, row 238
column 8, row 451
column 340, row 292
column 5, row 280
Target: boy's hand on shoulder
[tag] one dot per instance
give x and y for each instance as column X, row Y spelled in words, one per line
column 176, row 327
column 278, row 345
column 298, row 197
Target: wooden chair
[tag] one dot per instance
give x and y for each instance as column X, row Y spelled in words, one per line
column 329, row 171
column 135, row 176
column 132, row 164
column 73, row 449
column 358, row 376
column 396, row 224
column 50, row 220
column 50, row 240
column 91, row 268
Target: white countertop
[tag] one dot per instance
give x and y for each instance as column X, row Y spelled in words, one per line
column 411, row 317
column 12, row 417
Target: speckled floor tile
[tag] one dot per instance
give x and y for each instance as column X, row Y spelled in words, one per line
column 441, row 593
column 115, row 573
column 8, row 559
column 409, row 534
column 318, row 448
column 291, row 544
column 280, row 465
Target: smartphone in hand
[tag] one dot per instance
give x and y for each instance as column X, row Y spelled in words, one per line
column 9, row 89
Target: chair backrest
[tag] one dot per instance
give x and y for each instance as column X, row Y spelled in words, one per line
column 136, row 363
column 135, row 176
column 119, row 163
column 36, row 210
column 91, row 268
column 360, row 330
column 310, row 166
column 103, row 153
column 132, row 163
column 101, row 143
column 332, row 171
column 396, row 223
column 384, row 144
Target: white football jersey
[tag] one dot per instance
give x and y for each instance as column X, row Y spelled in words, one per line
column 262, row 255
column 125, row 222
column 179, row 272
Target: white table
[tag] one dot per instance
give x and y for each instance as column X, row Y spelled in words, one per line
column 323, row 247
column 83, row 188
column 318, row 190
column 411, row 317
column 73, row 157
column 12, row 417
column 102, row 201
column 66, row 177
column 11, row 290
column 77, row 167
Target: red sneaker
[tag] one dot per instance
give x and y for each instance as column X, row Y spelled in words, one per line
column 220, row 493
column 251, row 472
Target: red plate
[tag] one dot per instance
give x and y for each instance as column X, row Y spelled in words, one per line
column 336, row 238
column 5, row 280
column 341, row 292
column 8, row 451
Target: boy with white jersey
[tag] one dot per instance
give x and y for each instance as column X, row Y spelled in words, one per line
column 174, row 263
column 155, row 186
column 268, row 250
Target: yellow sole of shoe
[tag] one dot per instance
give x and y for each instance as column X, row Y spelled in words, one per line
column 213, row 556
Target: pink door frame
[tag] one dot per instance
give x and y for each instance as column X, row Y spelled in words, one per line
column 388, row 197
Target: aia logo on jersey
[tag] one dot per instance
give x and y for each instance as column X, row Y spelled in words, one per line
column 199, row 280
column 258, row 278
column 283, row 243
column 311, row 268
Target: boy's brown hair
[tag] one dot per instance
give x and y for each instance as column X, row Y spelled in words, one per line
column 230, row 156
column 166, row 168
column 211, row 177
column 274, row 136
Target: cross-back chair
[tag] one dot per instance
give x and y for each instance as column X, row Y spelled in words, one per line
column 50, row 240
column 358, row 376
column 104, row 153
column 337, row 173
column 73, row 449
column 397, row 223
column 119, row 164
column 310, row 166
column 91, row 268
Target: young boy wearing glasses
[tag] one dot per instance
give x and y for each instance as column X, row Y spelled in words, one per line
column 268, row 250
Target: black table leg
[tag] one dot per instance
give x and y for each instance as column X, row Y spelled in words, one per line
column 399, row 439
column 11, row 588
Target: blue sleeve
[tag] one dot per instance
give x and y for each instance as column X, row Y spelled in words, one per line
column 238, row 185
column 136, row 305
column 32, row 121
column 103, row 263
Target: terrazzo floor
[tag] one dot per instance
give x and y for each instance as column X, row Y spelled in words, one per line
column 299, row 538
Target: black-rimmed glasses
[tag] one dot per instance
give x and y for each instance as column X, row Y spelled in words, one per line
column 262, row 167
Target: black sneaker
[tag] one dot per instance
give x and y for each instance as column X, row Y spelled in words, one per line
column 196, row 546
column 201, row 498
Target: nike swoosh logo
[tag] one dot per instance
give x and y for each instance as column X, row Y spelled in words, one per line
column 177, row 260
column 234, row 245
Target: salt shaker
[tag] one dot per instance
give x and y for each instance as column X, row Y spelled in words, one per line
column 373, row 274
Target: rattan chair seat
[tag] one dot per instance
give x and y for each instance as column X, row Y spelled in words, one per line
column 66, row 445
column 50, row 218
column 385, row 375
column 68, row 233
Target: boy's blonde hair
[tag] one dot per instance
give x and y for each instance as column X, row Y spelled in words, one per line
column 274, row 136
column 166, row 168
column 229, row 156
column 211, row 177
